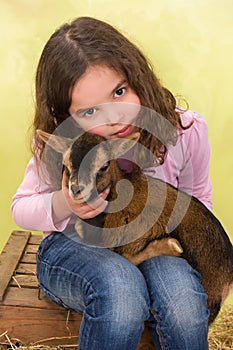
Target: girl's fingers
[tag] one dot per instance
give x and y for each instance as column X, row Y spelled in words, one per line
column 90, row 210
column 99, row 202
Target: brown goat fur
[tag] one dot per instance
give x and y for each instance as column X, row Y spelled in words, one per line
column 170, row 215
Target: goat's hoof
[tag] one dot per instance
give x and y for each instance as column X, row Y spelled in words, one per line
column 165, row 246
column 175, row 246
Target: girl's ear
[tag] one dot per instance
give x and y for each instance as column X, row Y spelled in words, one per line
column 122, row 145
column 58, row 143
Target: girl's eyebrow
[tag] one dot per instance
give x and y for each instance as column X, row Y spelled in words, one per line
column 118, row 86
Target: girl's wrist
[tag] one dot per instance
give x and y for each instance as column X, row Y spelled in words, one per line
column 60, row 207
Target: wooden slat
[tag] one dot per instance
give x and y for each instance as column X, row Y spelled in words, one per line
column 27, row 297
column 31, row 249
column 30, row 325
column 24, row 281
column 27, row 269
column 28, row 259
column 35, row 239
column 10, row 257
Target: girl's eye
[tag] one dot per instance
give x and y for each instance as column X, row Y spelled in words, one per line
column 89, row 112
column 120, row 92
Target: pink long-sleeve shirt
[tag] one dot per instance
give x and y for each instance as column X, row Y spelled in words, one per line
column 186, row 167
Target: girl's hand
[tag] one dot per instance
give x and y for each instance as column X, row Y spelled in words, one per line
column 84, row 210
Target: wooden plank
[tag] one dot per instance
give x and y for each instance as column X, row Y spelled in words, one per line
column 35, row 239
column 24, row 281
column 28, row 258
column 23, row 268
column 31, row 249
column 10, row 257
column 52, row 324
column 28, row 297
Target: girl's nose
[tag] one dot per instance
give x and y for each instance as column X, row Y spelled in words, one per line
column 114, row 114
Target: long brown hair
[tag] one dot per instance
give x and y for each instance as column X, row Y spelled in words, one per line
column 88, row 41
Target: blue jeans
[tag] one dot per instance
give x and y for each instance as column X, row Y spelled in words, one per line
column 116, row 297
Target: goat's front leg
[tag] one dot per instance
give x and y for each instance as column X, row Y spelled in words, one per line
column 165, row 246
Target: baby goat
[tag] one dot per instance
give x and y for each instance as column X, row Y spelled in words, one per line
column 154, row 215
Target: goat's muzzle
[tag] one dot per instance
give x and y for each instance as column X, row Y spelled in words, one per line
column 76, row 190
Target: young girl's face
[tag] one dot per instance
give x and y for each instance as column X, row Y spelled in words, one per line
column 102, row 103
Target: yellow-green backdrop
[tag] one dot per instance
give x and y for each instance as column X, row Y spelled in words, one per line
column 190, row 43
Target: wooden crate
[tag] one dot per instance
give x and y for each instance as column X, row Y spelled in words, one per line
column 27, row 316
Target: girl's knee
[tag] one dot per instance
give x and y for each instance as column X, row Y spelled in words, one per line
column 177, row 295
column 119, row 290
column 170, row 275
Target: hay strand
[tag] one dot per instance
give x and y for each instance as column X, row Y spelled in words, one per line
column 221, row 332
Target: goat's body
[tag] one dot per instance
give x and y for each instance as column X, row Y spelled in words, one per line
column 205, row 244
column 156, row 211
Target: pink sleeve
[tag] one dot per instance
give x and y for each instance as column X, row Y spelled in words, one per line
column 32, row 204
column 186, row 166
column 198, row 155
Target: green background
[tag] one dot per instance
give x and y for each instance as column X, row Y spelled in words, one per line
column 189, row 42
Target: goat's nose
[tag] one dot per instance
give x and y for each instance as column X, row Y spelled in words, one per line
column 75, row 189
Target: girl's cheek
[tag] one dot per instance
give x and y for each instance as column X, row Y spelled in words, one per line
column 97, row 131
column 85, row 126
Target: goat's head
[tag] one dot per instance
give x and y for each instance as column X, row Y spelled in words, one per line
column 89, row 161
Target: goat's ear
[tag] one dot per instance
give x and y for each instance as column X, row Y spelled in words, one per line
column 58, row 143
column 122, row 145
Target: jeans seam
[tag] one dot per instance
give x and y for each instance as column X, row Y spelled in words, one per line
column 158, row 329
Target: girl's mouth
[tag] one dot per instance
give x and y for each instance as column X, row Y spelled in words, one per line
column 127, row 130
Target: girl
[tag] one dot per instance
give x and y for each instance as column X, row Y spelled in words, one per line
column 85, row 64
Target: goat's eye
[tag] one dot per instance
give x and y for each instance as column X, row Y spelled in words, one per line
column 104, row 167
